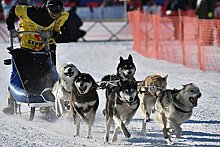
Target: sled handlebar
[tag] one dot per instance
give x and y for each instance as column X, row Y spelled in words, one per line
column 28, row 32
column 47, row 47
column 22, row 32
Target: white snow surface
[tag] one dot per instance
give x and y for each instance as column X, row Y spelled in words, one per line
column 99, row 59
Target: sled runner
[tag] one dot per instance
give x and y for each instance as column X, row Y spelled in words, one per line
column 33, row 76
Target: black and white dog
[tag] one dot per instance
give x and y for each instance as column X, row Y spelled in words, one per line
column 85, row 101
column 62, row 89
column 121, row 105
column 122, row 101
column 125, row 72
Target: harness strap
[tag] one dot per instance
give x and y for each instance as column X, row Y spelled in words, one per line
column 66, row 91
column 181, row 110
column 178, row 103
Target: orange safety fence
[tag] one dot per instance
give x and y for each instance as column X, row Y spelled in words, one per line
column 180, row 39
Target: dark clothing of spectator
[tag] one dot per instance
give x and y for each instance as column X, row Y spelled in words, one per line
column 175, row 5
column 192, row 4
column 70, row 31
column 172, row 9
column 205, row 9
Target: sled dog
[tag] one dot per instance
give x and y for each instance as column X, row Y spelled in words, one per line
column 174, row 107
column 84, row 101
column 62, row 89
column 125, row 71
column 152, row 85
column 121, row 105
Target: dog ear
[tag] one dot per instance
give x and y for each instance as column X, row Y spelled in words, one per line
column 121, row 59
column 165, row 77
column 130, row 58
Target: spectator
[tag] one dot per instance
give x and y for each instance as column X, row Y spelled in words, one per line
column 70, row 31
column 217, row 16
column 175, row 8
column 192, row 4
column 153, row 6
column 205, row 9
column 205, row 12
column 134, row 5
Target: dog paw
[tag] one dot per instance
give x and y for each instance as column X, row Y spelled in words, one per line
column 169, row 142
column 114, row 138
column 89, row 137
column 76, row 135
column 58, row 115
column 127, row 135
column 148, row 119
column 106, row 142
column 170, row 131
column 143, row 132
column 178, row 136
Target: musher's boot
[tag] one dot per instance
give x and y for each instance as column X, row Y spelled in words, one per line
column 10, row 109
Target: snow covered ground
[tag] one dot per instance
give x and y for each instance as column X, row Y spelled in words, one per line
column 99, row 59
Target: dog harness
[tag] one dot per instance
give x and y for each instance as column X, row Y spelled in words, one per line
column 66, row 91
column 82, row 98
column 174, row 94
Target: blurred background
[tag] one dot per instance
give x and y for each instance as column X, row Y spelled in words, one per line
column 181, row 31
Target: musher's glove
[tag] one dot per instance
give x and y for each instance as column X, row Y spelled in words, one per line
column 46, row 34
column 210, row 15
column 13, row 33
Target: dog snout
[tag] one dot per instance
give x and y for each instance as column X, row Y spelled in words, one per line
column 69, row 70
column 199, row 95
column 131, row 99
column 81, row 84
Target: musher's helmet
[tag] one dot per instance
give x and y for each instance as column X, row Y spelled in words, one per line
column 55, row 6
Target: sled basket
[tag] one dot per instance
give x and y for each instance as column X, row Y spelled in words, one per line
column 33, row 76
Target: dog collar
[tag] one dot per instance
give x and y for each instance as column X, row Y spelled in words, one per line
column 181, row 110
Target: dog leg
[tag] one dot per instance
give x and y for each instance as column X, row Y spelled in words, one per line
column 77, row 123
column 108, row 126
column 177, row 128
column 165, row 134
column 82, row 115
column 91, row 115
column 58, row 113
column 121, row 125
column 89, row 131
column 178, row 132
column 63, row 110
column 115, row 134
column 146, row 119
column 62, row 106
column 145, row 113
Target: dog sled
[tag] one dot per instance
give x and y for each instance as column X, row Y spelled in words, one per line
column 31, row 82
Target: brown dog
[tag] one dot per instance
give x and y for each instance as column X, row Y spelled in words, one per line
column 151, row 86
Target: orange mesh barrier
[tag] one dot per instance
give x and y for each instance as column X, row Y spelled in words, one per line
column 183, row 40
